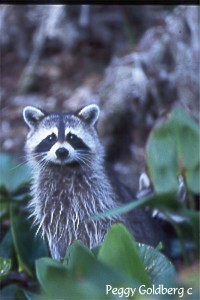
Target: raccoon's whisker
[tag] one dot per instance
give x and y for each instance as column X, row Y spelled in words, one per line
column 38, row 155
column 43, row 162
column 43, row 165
column 34, row 156
column 82, row 163
column 24, row 160
column 87, row 157
column 81, row 160
column 21, row 156
column 42, row 159
column 86, row 161
column 19, row 165
column 84, row 152
column 84, row 158
column 24, row 163
column 84, row 155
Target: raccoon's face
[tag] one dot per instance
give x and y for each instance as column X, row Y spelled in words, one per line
column 62, row 138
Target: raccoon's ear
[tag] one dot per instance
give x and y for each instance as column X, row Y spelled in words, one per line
column 32, row 115
column 89, row 113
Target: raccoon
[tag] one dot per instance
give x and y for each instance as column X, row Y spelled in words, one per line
column 70, row 180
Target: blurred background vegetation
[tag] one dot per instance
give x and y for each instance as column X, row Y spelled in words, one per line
column 137, row 63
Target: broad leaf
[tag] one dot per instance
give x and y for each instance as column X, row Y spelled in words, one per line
column 52, row 275
column 31, row 296
column 157, row 266
column 12, row 175
column 81, row 276
column 12, row 292
column 85, row 266
column 7, row 247
column 119, row 251
column 172, row 150
column 27, row 245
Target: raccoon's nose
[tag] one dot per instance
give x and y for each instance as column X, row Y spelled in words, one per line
column 62, row 153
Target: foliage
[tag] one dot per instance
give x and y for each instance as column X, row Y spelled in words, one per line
column 85, row 275
column 14, row 180
column 27, row 272
column 173, row 151
column 19, row 248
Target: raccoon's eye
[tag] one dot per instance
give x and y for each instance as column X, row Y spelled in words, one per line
column 51, row 138
column 71, row 136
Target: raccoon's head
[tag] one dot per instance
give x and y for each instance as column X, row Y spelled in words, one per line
column 68, row 139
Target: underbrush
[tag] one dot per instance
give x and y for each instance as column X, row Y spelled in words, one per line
column 120, row 268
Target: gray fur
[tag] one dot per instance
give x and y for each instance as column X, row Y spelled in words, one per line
column 63, row 197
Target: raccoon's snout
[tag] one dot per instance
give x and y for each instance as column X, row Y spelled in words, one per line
column 62, row 153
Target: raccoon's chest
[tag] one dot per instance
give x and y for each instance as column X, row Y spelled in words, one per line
column 64, row 194
column 66, row 211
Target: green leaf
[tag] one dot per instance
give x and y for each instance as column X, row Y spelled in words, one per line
column 12, row 175
column 6, row 246
column 12, row 292
column 162, row 159
column 31, row 296
column 172, row 150
column 119, row 251
column 81, row 276
column 163, row 202
column 58, row 283
column 193, row 180
column 28, row 247
column 84, row 265
column 192, row 219
column 52, row 276
column 4, row 208
column 3, row 191
column 5, row 266
column 157, row 266
column 188, row 146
